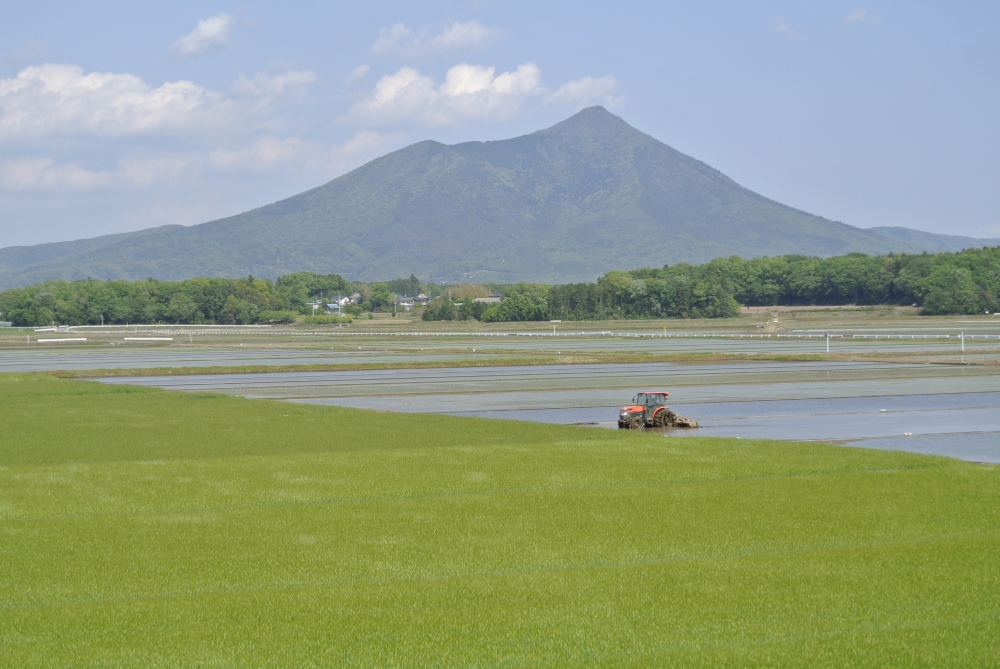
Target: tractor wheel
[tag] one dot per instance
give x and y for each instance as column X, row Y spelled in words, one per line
column 660, row 419
column 635, row 424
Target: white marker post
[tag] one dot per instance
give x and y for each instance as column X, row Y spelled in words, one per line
column 827, row 335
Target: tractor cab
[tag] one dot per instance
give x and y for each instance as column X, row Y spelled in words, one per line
column 651, row 399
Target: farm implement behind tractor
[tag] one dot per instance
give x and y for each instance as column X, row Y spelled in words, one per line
column 649, row 409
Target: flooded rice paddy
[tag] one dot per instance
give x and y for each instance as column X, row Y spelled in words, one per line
column 124, row 357
column 950, row 410
column 110, row 350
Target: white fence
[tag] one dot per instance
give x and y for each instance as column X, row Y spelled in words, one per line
column 926, row 336
column 168, row 332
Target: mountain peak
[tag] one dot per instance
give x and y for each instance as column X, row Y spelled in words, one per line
column 589, row 120
column 593, row 111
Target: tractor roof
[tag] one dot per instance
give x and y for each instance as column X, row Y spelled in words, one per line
column 653, row 392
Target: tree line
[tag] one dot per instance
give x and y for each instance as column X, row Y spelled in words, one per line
column 243, row 301
column 967, row 282
column 197, row 301
column 945, row 283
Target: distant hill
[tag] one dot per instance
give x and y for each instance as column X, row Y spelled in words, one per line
column 928, row 241
column 563, row 204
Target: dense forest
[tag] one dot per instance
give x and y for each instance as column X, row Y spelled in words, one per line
column 945, row 283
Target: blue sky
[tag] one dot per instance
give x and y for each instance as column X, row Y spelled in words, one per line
column 122, row 116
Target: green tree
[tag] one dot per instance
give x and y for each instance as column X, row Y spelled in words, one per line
column 409, row 287
column 712, row 298
column 381, row 297
column 950, row 290
column 442, row 309
column 522, row 302
column 231, row 310
column 183, row 309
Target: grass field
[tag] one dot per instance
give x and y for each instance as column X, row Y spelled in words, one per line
column 145, row 528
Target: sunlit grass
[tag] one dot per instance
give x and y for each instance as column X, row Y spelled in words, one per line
column 146, row 528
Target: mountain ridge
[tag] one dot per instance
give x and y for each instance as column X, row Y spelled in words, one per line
column 561, row 204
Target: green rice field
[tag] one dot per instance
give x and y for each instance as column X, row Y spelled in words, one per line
column 141, row 527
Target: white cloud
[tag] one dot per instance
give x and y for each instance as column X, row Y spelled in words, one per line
column 147, row 168
column 390, row 38
column 781, row 26
column 61, row 99
column 266, row 85
column 358, row 73
column 862, row 16
column 462, row 36
column 399, row 39
column 29, row 52
column 22, row 174
column 468, row 93
column 210, row 34
column 585, row 91
column 261, row 156
column 45, row 174
column 159, row 167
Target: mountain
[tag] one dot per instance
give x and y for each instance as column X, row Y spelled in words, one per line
column 563, row 204
column 929, row 241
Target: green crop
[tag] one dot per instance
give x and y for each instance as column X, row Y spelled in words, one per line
column 147, row 528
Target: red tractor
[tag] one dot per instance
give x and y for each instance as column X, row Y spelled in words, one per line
column 649, row 409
